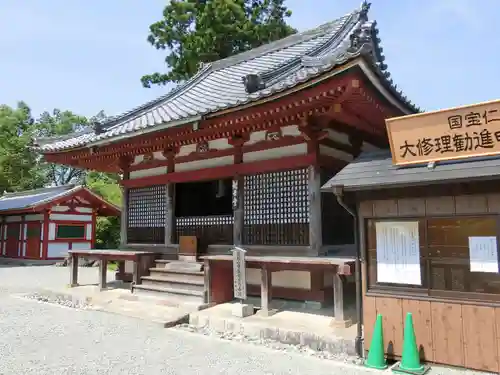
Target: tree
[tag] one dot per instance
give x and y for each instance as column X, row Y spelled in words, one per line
column 107, row 228
column 197, row 32
column 60, row 123
column 19, row 169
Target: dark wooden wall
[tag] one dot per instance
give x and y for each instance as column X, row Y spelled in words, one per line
column 452, row 332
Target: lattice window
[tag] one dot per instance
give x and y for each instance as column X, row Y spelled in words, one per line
column 146, row 215
column 277, row 208
column 210, row 230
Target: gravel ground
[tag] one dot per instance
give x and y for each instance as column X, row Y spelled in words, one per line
column 55, row 338
column 41, row 338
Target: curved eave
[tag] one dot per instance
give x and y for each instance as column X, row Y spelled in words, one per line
column 370, row 69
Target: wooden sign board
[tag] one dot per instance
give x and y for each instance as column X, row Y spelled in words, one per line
column 239, row 273
column 449, row 134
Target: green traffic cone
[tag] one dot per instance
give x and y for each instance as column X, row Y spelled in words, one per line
column 410, row 360
column 376, row 358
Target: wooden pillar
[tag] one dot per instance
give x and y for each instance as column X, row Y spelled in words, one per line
column 45, row 235
column 136, row 277
column 265, row 290
column 340, row 317
column 73, row 271
column 169, row 204
column 124, row 166
column 238, row 194
column 315, row 232
column 103, row 272
column 208, row 281
column 311, row 131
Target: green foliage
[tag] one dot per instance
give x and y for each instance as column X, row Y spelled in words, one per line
column 197, row 31
column 107, row 228
column 19, row 169
column 22, row 168
column 60, row 123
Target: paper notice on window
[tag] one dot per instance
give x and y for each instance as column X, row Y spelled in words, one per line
column 398, row 253
column 483, row 254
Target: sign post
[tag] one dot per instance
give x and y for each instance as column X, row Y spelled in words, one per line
column 240, row 284
column 239, row 274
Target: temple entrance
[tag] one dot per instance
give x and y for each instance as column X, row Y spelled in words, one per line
column 204, row 209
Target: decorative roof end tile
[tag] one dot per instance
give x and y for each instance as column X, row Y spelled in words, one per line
column 253, row 83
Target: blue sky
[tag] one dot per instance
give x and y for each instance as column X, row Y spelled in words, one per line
column 89, row 55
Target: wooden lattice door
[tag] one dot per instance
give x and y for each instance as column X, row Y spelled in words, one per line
column 33, row 240
column 12, row 243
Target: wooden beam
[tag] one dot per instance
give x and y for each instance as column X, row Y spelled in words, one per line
column 285, row 163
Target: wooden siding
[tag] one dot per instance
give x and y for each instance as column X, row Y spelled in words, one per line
column 451, row 332
column 448, row 333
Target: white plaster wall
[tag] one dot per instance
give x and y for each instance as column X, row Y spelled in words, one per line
column 52, row 231
column 70, row 217
column 84, row 209
column 33, row 217
column 206, row 163
column 186, row 150
column 58, row 249
column 24, row 231
column 88, row 232
column 275, row 153
column 13, row 219
column 286, row 279
column 148, row 172
column 80, row 246
column 59, row 208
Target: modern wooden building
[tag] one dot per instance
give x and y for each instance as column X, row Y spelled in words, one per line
column 429, row 224
column 238, row 153
column 44, row 224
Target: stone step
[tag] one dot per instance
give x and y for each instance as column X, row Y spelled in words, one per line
column 160, row 263
column 174, row 283
column 180, row 296
column 184, row 266
column 186, row 276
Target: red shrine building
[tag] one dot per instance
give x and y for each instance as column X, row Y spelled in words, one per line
column 44, row 224
column 237, row 156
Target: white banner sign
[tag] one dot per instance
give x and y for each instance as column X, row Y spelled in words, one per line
column 483, row 254
column 398, row 253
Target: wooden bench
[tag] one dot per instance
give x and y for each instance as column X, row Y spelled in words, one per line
column 142, row 261
column 339, row 267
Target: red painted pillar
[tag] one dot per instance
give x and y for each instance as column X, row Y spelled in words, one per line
column 221, row 280
column 45, row 229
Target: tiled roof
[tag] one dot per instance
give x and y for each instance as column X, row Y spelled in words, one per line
column 375, row 170
column 32, row 198
column 220, row 85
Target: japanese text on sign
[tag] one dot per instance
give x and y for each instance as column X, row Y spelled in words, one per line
column 239, row 273
column 448, row 134
column 398, row 253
